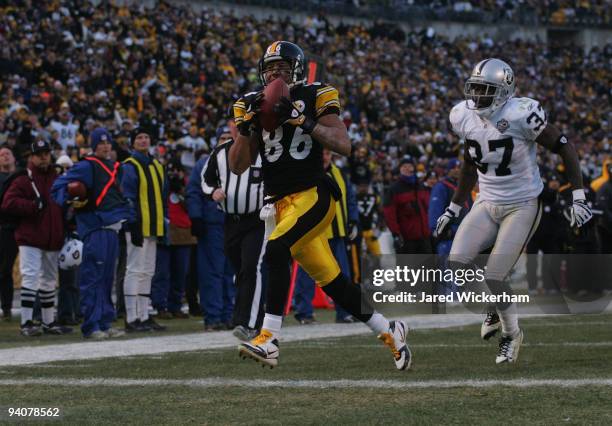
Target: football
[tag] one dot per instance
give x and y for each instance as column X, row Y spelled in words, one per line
column 78, row 190
column 272, row 94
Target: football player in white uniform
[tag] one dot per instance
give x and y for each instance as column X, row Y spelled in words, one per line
column 500, row 133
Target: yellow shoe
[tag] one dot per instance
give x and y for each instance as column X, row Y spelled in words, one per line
column 263, row 348
column 395, row 338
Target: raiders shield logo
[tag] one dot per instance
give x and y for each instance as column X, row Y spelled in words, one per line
column 502, row 125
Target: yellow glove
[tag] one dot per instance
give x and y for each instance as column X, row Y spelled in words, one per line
column 77, row 204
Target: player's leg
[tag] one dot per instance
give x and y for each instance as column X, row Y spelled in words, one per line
column 299, row 218
column 319, row 262
column 476, row 233
column 518, row 225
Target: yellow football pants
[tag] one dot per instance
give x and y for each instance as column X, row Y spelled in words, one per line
column 301, row 221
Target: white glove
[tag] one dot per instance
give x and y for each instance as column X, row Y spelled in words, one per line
column 268, row 215
column 580, row 212
column 451, row 212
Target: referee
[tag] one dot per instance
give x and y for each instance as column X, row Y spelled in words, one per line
column 241, row 198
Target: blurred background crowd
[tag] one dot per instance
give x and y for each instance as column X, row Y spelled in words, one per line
column 67, row 67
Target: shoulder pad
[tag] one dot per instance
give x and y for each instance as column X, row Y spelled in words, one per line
column 456, row 117
column 520, row 107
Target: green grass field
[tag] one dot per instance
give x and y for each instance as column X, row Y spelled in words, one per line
column 157, row 389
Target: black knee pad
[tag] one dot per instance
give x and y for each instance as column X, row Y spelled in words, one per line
column 277, row 253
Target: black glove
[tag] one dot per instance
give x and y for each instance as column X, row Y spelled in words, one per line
column 40, row 203
column 252, row 105
column 197, row 227
column 398, row 242
column 288, row 112
column 136, row 234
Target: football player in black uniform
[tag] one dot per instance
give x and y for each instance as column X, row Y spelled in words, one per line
column 368, row 204
column 300, row 196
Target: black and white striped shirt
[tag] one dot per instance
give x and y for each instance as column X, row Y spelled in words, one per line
column 243, row 193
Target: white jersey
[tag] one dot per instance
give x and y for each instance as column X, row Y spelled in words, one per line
column 67, row 133
column 503, row 148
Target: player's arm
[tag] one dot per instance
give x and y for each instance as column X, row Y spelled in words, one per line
column 243, row 151
column 326, row 128
column 467, row 179
column 552, row 139
column 331, row 132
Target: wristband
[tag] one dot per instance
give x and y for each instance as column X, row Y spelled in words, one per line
column 578, row 194
column 455, row 208
column 308, row 125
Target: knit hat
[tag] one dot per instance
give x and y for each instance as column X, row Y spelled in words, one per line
column 100, row 135
column 139, row 131
column 406, row 160
column 452, row 163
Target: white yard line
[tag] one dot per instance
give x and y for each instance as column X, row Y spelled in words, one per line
column 308, row 384
column 324, row 344
column 202, row 341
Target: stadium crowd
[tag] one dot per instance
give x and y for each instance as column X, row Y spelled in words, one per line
column 526, row 12
column 69, row 67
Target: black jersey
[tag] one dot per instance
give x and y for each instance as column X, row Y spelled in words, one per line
column 368, row 206
column 291, row 160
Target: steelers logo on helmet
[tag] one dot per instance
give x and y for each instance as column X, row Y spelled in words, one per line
column 285, row 51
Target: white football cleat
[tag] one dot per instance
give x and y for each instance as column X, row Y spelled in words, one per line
column 263, row 348
column 490, row 325
column 509, row 348
column 395, row 338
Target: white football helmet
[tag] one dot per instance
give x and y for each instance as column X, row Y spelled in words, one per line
column 71, row 254
column 489, row 87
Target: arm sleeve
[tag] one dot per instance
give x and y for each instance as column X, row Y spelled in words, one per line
column 17, row 201
column 390, row 212
column 129, row 187
column 326, row 101
column 195, row 200
column 82, row 171
column 210, row 175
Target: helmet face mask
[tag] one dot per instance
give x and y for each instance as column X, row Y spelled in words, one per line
column 286, row 52
column 489, row 87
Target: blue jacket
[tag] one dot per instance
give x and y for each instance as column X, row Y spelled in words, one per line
column 441, row 196
column 199, row 206
column 88, row 220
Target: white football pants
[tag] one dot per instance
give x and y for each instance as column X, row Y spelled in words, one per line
column 139, row 271
column 506, row 227
column 39, row 272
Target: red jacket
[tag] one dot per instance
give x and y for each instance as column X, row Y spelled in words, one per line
column 42, row 229
column 406, row 208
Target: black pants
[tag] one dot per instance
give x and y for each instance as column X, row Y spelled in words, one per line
column 192, row 286
column 244, row 243
column 8, row 253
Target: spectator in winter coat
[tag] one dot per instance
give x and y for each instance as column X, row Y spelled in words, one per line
column 405, row 210
column 39, row 236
